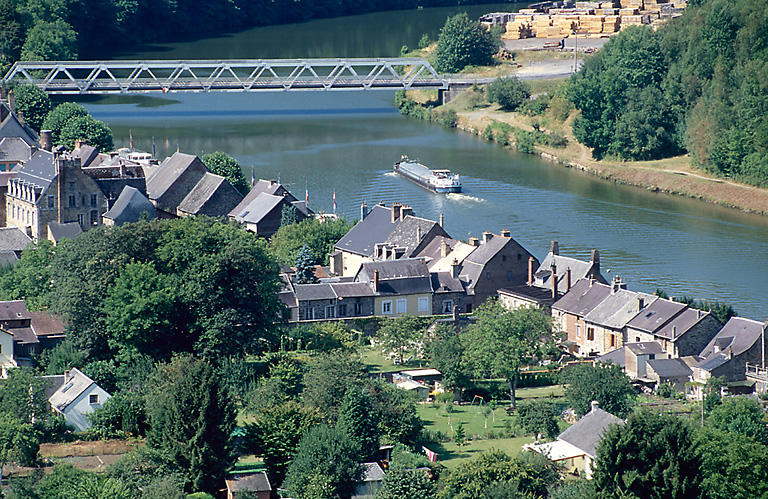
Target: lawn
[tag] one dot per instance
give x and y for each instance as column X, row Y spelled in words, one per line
column 449, row 455
column 378, row 363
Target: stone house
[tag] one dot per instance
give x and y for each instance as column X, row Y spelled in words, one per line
column 568, row 313
column 129, row 207
column 564, row 271
column 688, row 333
column 261, row 210
column 400, row 287
column 654, row 316
column 674, row 372
column 637, row 355
column 325, row 301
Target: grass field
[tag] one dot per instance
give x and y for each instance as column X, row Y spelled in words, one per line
column 376, row 362
column 450, row 456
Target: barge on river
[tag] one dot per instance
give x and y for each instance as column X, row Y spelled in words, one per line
column 435, row 180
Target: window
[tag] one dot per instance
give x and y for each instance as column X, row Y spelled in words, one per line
column 503, row 258
column 652, row 356
column 358, row 308
column 94, row 217
column 590, row 334
column 423, row 304
column 93, row 399
column 71, row 186
column 637, row 339
column 342, row 312
column 402, row 306
column 81, row 219
column 613, row 340
column 578, row 330
column 330, row 312
column 447, row 306
column 72, row 201
column 94, row 199
column 509, row 275
column 469, row 308
column 51, row 202
column 386, row 307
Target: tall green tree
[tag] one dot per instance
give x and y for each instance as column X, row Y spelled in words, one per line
column 327, row 381
column 318, row 235
column 733, row 465
column 329, row 452
column 358, row 418
column 50, row 41
column 400, row 483
column 221, row 163
column 191, row 418
column 58, row 118
column 446, row 354
column 32, row 103
column 607, row 384
column 463, row 42
column 11, row 34
column 501, row 342
column 305, row 267
column 396, row 413
column 18, row 442
column 509, row 93
column 95, row 133
column 401, row 336
column 652, row 455
column 741, row 416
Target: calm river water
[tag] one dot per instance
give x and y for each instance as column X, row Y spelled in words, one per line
column 347, row 142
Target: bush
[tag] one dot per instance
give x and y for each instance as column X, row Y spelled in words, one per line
column 510, row 93
column 539, row 416
column 448, row 118
column 535, row 107
column 463, row 42
column 665, row 390
column 560, row 107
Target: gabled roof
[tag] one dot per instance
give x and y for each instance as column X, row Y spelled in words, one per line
column 618, row 308
column 533, row 293
column 487, row 250
column 351, row 289
column 213, row 195
column 432, row 253
column 13, row 239
column 46, row 324
column 173, row 180
column 39, row 170
column 579, row 270
column 249, row 482
column 405, row 232
column 130, row 206
column 617, row 357
column 589, row 430
column 67, row 230
column 87, row 155
column 444, row 282
column 14, row 310
column 394, row 269
column 75, row 383
column 8, row 257
column 262, row 186
column 658, row 313
column 681, row 324
column 14, row 149
column 583, row 297
column 644, row 348
column 670, row 368
column 12, row 127
column 259, row 207
column 737, row 336
column 306, row 292
column 374, row 228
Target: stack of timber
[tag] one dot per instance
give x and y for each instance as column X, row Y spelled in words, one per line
column 519, row 27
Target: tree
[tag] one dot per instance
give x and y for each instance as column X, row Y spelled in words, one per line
column 446, row 354
column 327, row 381
column 509, row 93
column 463, row 42
column 221, row 163
column 741, row 416
column 318, row 235
column 275, row 433
column 124, row 413
column 528, row 474
column 305, row 267
column 607, row 384
column 11, row 34
column 400, row 336
column 501, row 342
column 22, row 397
column 733, row 465
column 94, row 133
column 288, row 215
column 32, row 103
column 401, row 483
column 460, row 436
column 18, row 442
column 539, row 416
column 651, row 455
column 58, row 118
column 396, row 413
column 191, row 418
column 50, row 41
column 329, row 452
column 360, row 421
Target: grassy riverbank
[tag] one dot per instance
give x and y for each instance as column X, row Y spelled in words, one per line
column 671, row 175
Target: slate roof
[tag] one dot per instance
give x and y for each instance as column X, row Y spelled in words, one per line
column 12, row 127
column 394, row 269
column 23, row 335
column 656, row 315
column 259, row 207
column 405, row 232
column 683, row 322
column 583, row 297
column 46, row 324
column 738, row 335
column 587, row 432
column 14, row 149
column 432, row 253
column 351, row 289
column 618, row 308
column 67, row 230
column 374, row 228
column 444, row 282
column 13, row 310
column 174, row 178
column 262, row 186
column 251, row 482
column 614, row 357
column 87, row 155
column 532, row 293
column 670, row 368
column 130, row 206
column 39, row 170
column 75, row 383
column 213, row 195
column 713, row 361
column 579, row 270
column 8, row 257
column 13, row 239
column 644, row 348
column 306, row 292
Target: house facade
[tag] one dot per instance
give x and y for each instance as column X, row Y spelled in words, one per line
column 76, row 398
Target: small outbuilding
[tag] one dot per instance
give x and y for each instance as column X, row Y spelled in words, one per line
column 255, row 483
column 76, row 397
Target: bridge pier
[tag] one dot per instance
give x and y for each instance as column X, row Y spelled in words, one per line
column 446, row 95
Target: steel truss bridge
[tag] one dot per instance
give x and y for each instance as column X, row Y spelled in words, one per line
column 248, row 75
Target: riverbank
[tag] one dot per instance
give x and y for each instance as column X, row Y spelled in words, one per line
column 675, row 176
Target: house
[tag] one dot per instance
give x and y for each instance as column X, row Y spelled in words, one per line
column 739, row 342
column 674, row 372
column 576, row 448
column 383, row 234
column 76, row 397
column 13, row 151
column 688, row 332
column 52, row 189
column 568, row 313
column 370, row 483
column 130, row 206
column 420, row 389
column 6, row 353
column 17, row 140
column 261, row 210
column 254, row 483
column 637, row 356
column 182, row 186
column 57, row 232
column 13, row 241
column 562, row 271
column 31, row 332
column 645, row 325
column 400, row 287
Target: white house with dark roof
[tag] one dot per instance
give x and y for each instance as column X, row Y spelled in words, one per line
column 576, row 448
column 76, row 397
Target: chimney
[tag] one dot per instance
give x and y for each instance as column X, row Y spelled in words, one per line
column 395, row 212
column 11, row 101
column 376, row 281
column 487, row 236
column 474, row 241
column 554, row 281
column 46, row 140
column 78, row 143
column 442, row 220
column 530, row 271
column 456, row 314
column 418, row 234
column 20, row 117
column 594, row 405
column 698, row 314
column 567, row 279
column 405, row 211
column 443, row 249
column 455, row 268
column 554, row 248
column 595, row 259
column 506, row 233
column 616, row 285
column 363, row 211
column 640, row 304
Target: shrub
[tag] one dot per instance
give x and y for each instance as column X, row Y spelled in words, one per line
column 510, row 93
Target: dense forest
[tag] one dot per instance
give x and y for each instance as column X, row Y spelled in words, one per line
column 699, row 84
column 64, row 29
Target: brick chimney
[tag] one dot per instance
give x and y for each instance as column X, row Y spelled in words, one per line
column 405, row 211
column 443, row 249
column 376, row 281
column 554, row 281
column 455, row 268
column 567, row 279
column 506, row 233
column 554, row 248
column 395, row 211
column 46, row 140
column 487, row 236
column 640, row 304
column 363, row 210
column 530, row 270
column 418, row 234
column 11, row 101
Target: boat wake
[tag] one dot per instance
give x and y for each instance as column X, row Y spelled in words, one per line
column 390, row 174
column 463, row 198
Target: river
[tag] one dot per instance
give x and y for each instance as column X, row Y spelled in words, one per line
column 347, row 141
